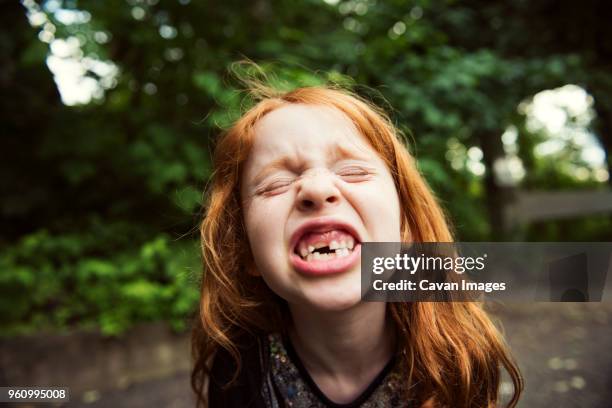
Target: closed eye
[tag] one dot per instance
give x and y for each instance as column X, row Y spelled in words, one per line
column 275, row 187
column 354, row 173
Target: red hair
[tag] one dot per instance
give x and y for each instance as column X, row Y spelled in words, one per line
column 451, row 349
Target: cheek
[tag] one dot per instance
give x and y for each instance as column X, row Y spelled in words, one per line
column 386, row 217
column 265, row 222
column 379, row 208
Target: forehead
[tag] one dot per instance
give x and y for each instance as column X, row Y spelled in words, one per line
column 299, row 129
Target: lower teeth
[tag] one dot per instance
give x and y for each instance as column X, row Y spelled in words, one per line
column 339, row 253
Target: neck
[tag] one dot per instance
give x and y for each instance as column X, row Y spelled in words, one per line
column 351, row 342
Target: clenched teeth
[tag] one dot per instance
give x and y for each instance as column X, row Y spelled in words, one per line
column 338, row 253
column 335, row 249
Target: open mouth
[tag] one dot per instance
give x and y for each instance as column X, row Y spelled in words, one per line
column 323, row 246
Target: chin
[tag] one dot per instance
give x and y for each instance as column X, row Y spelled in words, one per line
column 333, row 298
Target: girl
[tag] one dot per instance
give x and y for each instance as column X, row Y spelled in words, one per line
column 300, row 181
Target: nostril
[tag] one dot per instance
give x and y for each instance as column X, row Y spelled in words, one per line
column 307, row 203
column 332, row 199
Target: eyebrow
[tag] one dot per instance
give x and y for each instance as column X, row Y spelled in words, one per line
column 341, row 152
column 278, row 164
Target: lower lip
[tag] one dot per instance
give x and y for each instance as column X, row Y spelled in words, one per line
column 328, row 266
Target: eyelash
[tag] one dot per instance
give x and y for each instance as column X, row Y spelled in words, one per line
column 275, row 185
column 354, row 172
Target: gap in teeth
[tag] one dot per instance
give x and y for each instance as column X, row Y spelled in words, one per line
column 335, row 245
column 323, row 256
column 324, row 250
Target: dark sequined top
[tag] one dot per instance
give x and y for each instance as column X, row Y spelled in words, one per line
column 271, row 375
column 296, row 388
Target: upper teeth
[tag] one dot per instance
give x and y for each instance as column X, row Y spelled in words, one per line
column 337, row 246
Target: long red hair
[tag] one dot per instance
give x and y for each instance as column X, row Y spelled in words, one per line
column 452, row 350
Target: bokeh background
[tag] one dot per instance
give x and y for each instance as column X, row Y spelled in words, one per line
column 109, row 110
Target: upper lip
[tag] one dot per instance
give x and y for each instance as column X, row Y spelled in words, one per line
column 321, row 225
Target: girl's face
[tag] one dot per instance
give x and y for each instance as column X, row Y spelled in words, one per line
column 313, row 189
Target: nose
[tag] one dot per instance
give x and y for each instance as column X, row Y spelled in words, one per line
column 317, row 191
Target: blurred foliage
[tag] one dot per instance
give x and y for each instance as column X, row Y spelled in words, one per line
column 100, row 200
column 59, row 280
